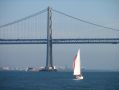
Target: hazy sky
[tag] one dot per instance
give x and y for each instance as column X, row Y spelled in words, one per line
column 93, row 56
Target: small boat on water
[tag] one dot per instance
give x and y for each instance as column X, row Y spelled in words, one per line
column 77, row 66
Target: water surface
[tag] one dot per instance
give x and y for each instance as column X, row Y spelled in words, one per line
column 58, row 81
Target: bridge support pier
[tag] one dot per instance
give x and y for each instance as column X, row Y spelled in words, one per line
column 49, row 59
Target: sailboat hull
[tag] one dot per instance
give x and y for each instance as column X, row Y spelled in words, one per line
column 79, row 77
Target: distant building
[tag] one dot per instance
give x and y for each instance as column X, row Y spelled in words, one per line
column 4, row 68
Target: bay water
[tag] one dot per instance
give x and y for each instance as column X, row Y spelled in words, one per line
column 18, row 80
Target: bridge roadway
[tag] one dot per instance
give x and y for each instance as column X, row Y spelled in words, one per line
column 62, row 41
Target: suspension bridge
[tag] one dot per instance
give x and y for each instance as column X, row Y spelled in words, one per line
column 13, row 33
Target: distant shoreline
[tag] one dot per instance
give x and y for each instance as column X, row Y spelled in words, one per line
column 61, row 71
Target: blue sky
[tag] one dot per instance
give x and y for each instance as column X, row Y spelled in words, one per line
column 103, row 12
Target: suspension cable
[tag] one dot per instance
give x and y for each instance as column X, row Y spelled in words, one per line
column 84, row 20
column 25, row 18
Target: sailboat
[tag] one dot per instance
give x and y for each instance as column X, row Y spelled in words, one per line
column 77, row 66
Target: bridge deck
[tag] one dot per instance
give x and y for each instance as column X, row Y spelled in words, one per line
column 62, row 41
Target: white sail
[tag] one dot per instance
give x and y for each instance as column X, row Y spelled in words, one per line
column 76, row 64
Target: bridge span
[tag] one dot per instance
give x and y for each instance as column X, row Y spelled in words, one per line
column 62, row 41
column 49, row 41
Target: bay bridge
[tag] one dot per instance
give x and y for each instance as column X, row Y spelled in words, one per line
column 14, row 38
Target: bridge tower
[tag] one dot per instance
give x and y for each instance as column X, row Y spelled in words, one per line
column 49, row 59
